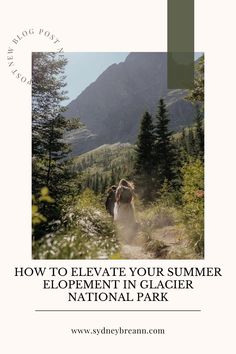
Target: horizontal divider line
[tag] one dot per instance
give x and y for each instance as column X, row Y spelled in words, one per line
column 117, row 310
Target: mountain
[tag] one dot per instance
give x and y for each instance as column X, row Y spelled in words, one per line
column 112, row 106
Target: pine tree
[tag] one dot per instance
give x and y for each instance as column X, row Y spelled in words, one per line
column 48, row 124
column 143, row 164
column 144, row 146
column 49, row 167
column 199, row 140
column 113, row 177
column 96, row 183
column 184, row 141
column 87, row 183
column 191, row 143
column 105, row 185
column 164, row 148
column 181, row 151
column 101, row 184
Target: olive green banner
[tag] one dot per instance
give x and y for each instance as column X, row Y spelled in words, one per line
column 180, row 44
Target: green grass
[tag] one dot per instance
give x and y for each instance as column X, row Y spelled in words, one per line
column 164, row 233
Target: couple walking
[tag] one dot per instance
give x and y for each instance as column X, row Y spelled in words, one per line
column 120, row 205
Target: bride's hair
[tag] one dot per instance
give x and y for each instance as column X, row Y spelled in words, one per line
column 124, row 182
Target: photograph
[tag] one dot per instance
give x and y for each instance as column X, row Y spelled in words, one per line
column 118, row 181
column 117, row 157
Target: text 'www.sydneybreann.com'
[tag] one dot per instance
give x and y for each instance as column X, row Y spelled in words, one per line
column 117, row 331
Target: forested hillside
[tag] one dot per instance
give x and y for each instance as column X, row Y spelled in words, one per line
column 105, row 166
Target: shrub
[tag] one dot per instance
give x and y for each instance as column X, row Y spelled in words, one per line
column 86, row 232
column 193, row 203
column 167, row 194
column 44, row 197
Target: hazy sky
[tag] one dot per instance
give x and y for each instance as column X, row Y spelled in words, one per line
column 84, row 68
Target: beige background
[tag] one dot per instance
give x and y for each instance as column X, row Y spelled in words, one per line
column 117, row 26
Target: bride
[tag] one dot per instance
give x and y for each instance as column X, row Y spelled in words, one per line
column 124, row 210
